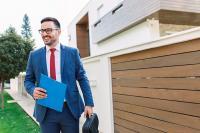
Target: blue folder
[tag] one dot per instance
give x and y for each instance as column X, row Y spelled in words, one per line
column 55, row 93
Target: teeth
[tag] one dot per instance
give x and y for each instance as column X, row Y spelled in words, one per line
column 46, row 38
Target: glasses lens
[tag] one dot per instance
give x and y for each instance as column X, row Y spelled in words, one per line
column 48, row 30
column 40, row 31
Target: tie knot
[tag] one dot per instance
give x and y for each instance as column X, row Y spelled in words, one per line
column 52, row 50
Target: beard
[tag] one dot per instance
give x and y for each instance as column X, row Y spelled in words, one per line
column 48, row 43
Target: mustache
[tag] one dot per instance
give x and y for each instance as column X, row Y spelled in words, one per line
column 46, row 36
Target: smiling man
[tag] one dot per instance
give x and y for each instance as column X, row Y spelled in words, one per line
column 62, row 64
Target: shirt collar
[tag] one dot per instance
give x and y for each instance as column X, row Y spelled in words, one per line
column 57, row 47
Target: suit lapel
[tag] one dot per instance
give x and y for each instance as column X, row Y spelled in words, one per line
column 43, row 61
column 62, row 56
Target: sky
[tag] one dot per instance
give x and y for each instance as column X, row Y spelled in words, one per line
column 12, row 12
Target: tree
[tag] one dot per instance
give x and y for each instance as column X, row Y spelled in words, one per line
column 27, row 37
column 13, row 56
column 26, row 28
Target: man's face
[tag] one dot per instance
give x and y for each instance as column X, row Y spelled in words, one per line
column 50, row 33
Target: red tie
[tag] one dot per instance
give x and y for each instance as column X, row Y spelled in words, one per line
column 52, row 64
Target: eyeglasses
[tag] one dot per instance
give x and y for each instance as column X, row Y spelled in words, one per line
column 48, row 30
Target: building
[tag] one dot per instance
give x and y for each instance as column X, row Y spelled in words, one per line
column 103, row 25
column 141, row 58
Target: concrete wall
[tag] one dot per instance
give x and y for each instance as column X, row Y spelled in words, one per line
column 143, row 32
column 121, row 22
column 17, row 84
column 130, row 12
column 98, row 69
column 106, row 6
column 14, row 84
column 94, row 16
column 146, row 31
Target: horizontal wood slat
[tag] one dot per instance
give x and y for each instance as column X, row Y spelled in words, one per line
column 169, row 83
column 154, row 123
column 174, row 71
column 135, row 126
column 171, row 106
column 176, row 95
column 170, row 60
column 158, row 89
column 188, row 46
column 179, row 119
column 120, row 129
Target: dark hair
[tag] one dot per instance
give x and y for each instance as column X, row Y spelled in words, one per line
column 54, row 20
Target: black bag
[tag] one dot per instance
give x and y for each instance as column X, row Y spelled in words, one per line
column 91, row 124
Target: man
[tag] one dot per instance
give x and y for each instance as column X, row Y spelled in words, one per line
column 63, row 64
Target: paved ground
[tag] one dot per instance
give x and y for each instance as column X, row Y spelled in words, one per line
column 26, row 102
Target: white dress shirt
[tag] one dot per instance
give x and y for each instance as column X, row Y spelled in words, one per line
column 57, row 61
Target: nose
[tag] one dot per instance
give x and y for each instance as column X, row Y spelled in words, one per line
column 44, row 34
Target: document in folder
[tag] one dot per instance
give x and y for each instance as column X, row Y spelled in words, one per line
column 55, row 93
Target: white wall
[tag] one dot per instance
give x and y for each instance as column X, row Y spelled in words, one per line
column 72, row 42
column 107, row 6
column 144, row 32
column 14, row 84
column 91, row 8
column 140, row 33
column 72, row 26
column 98, row 69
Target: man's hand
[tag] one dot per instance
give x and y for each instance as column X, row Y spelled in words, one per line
column 88, row 111
column 39, row 93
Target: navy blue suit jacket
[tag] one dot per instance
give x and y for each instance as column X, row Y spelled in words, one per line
column 71, row 71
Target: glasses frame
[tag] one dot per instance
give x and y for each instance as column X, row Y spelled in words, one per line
column 47, row 30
